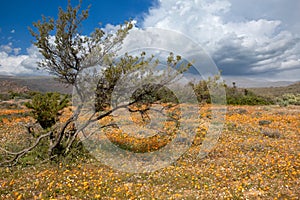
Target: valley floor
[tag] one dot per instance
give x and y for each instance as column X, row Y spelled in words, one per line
column 257, row 157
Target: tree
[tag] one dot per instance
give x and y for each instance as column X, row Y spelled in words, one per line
column 68, row 53
column 65, row 54
column 203, row 87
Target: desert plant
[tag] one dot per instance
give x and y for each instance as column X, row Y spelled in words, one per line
column 288, row 99
column 203, row 87
column 46, row 108
column 264, row 122
column 271, row 133
column 237, row 96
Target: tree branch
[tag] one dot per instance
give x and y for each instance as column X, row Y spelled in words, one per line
column 18, row 155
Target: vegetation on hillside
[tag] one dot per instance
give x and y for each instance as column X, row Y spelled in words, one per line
column 234, row 95
column 288, row 99
column 274, row 92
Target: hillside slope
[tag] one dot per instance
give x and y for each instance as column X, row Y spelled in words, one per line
column 277, row 91
column 49, row 84
column 37, row 83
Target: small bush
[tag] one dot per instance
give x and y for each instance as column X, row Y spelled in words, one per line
column 264, row 122
column 271, row 133
column 46, row 108
column 240, row 111
column 288, row 99
column 202, row 90
column 236, row 96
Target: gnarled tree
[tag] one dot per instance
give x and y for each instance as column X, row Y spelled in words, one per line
column 67, row 53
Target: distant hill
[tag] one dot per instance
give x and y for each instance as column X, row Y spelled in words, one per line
column 34, row 83
column 49, row 84
column 7, row 86
column 242, row 82
column 277, row 91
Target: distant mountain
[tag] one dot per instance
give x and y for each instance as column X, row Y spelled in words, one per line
column 277, row 91
column 241, row 82
column 32, row 83
column 254, row 83
column 49, row 84
column 7, row 86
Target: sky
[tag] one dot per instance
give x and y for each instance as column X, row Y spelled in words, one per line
column 245, row 38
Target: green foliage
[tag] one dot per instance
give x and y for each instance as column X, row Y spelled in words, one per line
column 288, row 99
column 46, row 108
column 37, row 155
column 112, row 74
column 201, row 91
column 21, row 95
column 234, row 95
column 150, row 93
column 145, row 66
column 203, row 87
column 16, row 95
column 71, row 51
column 77, row 153
column 245, row 97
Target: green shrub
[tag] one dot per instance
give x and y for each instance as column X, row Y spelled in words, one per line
column 4, row 97
column 236, row 96
column 46, row 108
column 288, row 99
column 202, row 92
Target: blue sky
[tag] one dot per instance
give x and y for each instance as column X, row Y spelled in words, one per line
column 17, row 15
column 245, row 38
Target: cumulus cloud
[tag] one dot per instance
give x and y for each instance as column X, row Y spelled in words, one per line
column 8, row 48
column 14, row 64
column 243, row 37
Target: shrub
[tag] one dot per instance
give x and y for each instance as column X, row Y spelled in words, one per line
column 271, row 133
column 202, row 92
column 264, row 122
column 236, row 96
column 288, row 99
column 46, row 108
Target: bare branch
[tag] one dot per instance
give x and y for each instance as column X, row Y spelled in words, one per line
column 18, row 155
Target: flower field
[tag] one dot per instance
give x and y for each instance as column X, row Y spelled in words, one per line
column 257, row 157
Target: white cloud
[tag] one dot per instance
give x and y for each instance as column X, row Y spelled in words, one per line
column 243, row 37
column 17, row 50
column 13, row 31
column 13, row 64
column 8, row 48
column 111, row 29
column 248, row 38
column 285, row 11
